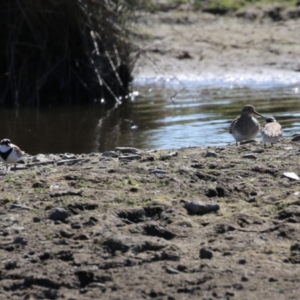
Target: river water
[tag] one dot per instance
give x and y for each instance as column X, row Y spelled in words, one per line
column 162, row 114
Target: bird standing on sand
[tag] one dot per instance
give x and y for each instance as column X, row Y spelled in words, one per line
column 245, row 127
column 271, row 132
column 9, row 153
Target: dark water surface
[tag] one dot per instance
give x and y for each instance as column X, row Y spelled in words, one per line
column 163, row 115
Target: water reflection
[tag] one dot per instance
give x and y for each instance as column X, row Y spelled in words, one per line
column 162, row 116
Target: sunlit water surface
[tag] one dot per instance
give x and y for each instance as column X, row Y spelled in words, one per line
column 162, row 114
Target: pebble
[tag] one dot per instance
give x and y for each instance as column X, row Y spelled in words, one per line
column 22, row 207
column 157, row 171
column 249, row 156
column 20, row 240
column 258, row 150
column 211, row 154
column 171, row 270
column 128, row 150
column 72, row 161
column 109, row 154
column 58, row 213
column 68, row 156
column 205, row 253
column 296, row 138
column 197, row 207
column 130, row 157
column 291, row 175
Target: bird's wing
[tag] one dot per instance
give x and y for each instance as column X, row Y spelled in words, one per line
column 231, row 126
column 17, row 149
column 273, row 129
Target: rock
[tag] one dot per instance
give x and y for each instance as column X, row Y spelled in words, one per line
column 22, row 207
column 124, row 243
column 157, row 171
column 296, row 138
column 40, row 158
column 39, row 184
column 59, row 213
column 171, row 270
column 85, row 277
column 211, row 154
column 205, row 253
column 72, row 161
column 36, row 219
column 109, row 154
column 127, row 150
column 242, row 261
column 68, row 156
column 155, row 230
column 295, row 253
column 130, row 157
column 20, row 240
column 291, row 175
column 197, row 207
column 249, row 156
column 10, row 265
column 258, row 150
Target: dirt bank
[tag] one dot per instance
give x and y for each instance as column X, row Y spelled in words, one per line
column 252, row 44
column 116, row 226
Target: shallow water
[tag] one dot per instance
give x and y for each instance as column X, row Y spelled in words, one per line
column 164, row 114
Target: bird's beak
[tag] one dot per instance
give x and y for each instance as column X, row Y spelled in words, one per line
column 259, row 114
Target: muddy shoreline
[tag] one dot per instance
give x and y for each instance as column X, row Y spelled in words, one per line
column 116, row 225
column 250, row 46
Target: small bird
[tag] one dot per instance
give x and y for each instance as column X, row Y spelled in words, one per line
column 271, row 132
column 9, row 153
column 245, row 127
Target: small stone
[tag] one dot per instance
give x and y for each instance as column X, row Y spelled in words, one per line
column 39, row 184
column 36, row 219
column 171, row 270
column 20, row 240
column 242, row 261
column 40, row 158
column 157, row 171
column 173, row 154
column 291, row 175
column 244, row 278
column 249, row 156
column 72, row 161
column 59, row 213
column 258, row 150
column 211, row 154
column 197, row 207
column 109, row 154
column 22, row 207
column 205, row 253
column 127, row 150
column 10, row 265
column 130, row 157
column 296, row 138
column 69, row 156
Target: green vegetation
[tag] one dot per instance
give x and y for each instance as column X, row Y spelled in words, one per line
column 215, row 5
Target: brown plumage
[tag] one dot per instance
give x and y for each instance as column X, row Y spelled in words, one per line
column 245, row 127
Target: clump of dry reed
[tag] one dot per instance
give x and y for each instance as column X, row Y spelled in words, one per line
column 53, row 50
